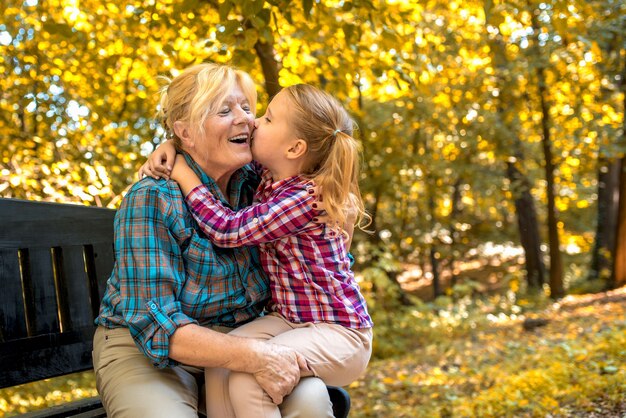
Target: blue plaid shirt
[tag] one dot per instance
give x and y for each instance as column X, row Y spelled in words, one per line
column 168, row 274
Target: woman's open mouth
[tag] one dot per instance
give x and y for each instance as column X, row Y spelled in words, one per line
column 239, row 139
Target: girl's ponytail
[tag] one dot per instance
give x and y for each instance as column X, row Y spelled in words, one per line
column 333, row 156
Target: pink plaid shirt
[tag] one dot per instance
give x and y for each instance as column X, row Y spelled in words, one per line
column 307, row 263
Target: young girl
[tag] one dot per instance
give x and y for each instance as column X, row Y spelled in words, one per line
column 303, row 141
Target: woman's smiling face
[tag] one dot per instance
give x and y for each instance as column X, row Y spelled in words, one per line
column 225, row 144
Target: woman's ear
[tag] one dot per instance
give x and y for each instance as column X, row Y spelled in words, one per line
column 181, row 129
column 297, row 149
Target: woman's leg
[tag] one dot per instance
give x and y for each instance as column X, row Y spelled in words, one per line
column 130, row 386
column 217, row 397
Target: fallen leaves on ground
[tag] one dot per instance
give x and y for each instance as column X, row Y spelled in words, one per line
column 574, row 365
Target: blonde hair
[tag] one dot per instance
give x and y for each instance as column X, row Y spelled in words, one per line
column 198, row 92
column 333, row 157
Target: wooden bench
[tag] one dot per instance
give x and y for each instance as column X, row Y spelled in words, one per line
column 55, row 260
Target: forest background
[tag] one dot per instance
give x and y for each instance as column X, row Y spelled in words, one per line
column 493, row 147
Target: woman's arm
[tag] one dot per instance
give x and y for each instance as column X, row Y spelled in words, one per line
column 276, row 368
column 149, row 272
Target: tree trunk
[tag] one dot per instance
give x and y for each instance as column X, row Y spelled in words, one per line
column 434, row 263
column 523, row 200
column 269, row 65
column 454, row 234
column 618, row 278
column 608, row 200
column 619, row 268
column 556, row 266
column 528, row 228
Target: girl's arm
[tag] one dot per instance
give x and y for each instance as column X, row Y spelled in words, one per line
column 287, row 214
column 184, row 175
column 159, row 163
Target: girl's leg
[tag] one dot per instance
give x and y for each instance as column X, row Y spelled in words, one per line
column 336, row 354
column 217, row 380
column 130, row 386
column 309, row 398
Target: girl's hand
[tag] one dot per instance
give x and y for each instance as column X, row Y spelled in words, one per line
column 347, row 229
column 159, row 163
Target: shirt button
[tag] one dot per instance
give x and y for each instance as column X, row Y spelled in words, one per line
column 255, row 220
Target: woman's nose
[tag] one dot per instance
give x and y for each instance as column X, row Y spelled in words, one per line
column 241, row 116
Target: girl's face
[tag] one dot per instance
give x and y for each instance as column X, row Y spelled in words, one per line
column 273, row 133
column 225, row 145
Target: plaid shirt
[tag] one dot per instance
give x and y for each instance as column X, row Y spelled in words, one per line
column 168, row 274
column 308, row 265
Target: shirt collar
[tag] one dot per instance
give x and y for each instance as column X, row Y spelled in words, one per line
column 276, row 185
column 244, row 174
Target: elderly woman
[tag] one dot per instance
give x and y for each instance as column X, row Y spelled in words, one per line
column 172, row 295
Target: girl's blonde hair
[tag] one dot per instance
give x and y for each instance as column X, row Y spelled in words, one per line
column 198, row 92
column 333, row 157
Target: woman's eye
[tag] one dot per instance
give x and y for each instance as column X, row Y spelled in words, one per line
column 224, row 111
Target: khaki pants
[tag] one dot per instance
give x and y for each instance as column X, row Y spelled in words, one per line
column 336, row 354
column 131, row 387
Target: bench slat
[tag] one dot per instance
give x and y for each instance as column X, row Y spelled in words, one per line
column 27, row 224
column 12, row 318
column 77, row 286
column 45, row 356
column 100, row 259
column 41, row 301
column 84, row 408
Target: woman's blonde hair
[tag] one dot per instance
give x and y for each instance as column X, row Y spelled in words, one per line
column 198, row 92
column 333, row 157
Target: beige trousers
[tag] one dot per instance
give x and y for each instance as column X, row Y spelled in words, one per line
column 336, row 354
column 131, row 387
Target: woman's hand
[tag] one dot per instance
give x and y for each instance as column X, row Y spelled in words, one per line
column 279, row 370
column 159, row 163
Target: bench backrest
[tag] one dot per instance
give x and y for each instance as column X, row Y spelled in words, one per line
column 54, row 263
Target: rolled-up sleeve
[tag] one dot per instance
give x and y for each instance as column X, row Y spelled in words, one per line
column 151, row 273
